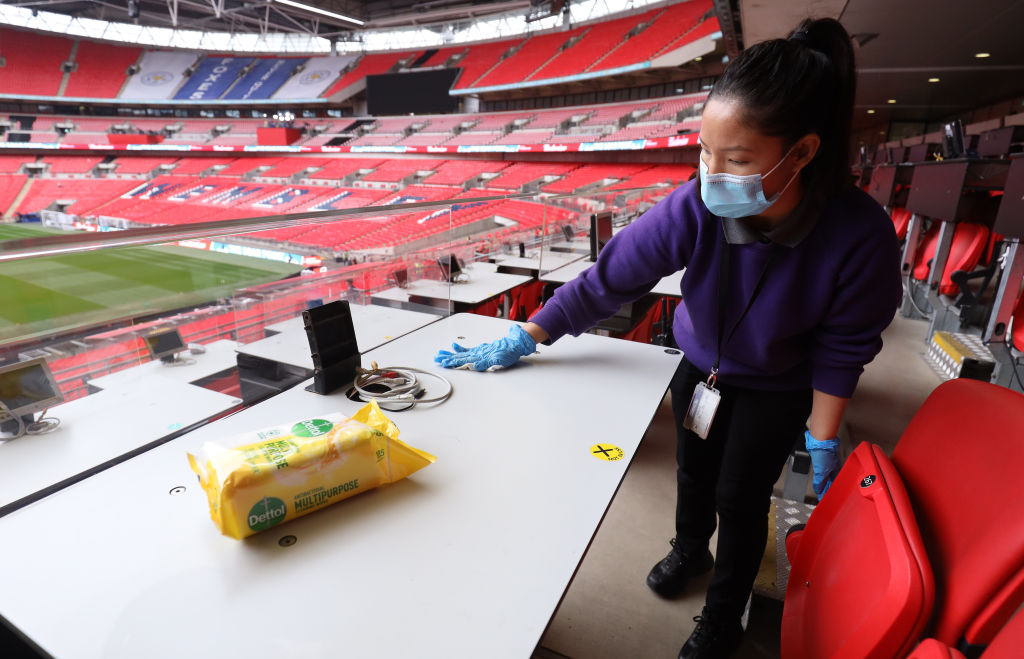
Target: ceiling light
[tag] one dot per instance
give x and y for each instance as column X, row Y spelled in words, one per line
column 933, row 79
column 698, row 58
column 891, row 101
column 317, row 10
column 871, row 111
column 982, row 55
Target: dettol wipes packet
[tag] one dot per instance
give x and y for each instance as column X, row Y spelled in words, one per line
column 257, row 480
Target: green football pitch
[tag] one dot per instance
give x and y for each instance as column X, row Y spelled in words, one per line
column 42, row 295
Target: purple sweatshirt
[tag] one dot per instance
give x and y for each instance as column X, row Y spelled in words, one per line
column 816, row 321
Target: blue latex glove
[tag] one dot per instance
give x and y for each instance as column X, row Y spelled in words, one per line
column 496, row 354
column 824, row 459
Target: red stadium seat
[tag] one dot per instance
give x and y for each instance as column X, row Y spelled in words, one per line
column 860, row 585
column 901, row 220
column 960, row 459
column 969, row 244
column 1006, row 645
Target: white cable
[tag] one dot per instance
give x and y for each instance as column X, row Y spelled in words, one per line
column 402, row 385
column 910, row 297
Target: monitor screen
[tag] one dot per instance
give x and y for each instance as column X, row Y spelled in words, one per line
column 450, row 267
column 953, row 139
column 568, row 232
column 28, row 387
column 401, row 278
column 164, row 344
column 600, row 232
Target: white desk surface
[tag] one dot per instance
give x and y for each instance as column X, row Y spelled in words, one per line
column 667, row 286
column 541, row 263
column 219, row 355
column 482, row 286
column 374, row 325
column 101, row 427
column 467, row 558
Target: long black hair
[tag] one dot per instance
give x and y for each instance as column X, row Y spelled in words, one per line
column 788, row 88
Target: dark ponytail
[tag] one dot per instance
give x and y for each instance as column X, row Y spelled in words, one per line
column 804, row 84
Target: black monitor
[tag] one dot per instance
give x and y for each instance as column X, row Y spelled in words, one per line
column 28, row 387
column 953, row 140
column 600, row 232
column 522, row 250
column 569, row 232
column 450, row 267
column 401, row 277
column 165, row 345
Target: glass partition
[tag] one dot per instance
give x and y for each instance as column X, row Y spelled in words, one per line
column 88, row 294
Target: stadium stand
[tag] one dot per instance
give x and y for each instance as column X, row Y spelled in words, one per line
column 369, row 65
column 243, row 166
column 139, row 165
column 471, row 138
column 341, row 168
column 457, row 172
column 526, row 137
column 288, row 167
column 668, row 27
column 194, row 166
column 479, row 59
column 521, row 173
column 71, row 164
column 375, row 139
column 395, row 170
column 101, row 69
column 10, row 188
column 83, row 195
column 600, row 38
column 592, row 174
column 671, row 174
column 425, row 139
column 440, row 57
column 33, row 62
column 531, row 55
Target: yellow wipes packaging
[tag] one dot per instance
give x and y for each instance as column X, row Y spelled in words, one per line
column 257, row 480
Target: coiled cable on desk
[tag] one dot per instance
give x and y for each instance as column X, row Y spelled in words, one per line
column 400, row 383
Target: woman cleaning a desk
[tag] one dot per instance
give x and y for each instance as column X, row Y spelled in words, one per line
column 791, row 276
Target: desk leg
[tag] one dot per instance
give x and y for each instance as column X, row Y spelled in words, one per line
column 910, row 246
column 935, row 275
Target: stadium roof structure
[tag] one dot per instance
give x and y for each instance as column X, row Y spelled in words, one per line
column 324, row 18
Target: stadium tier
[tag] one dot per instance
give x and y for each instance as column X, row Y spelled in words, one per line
column 368, row 65
column 440, row 57
column 139, row 165
column 340, row 168
column 395, row 170
column 591, row 175
column 100, row 69
column 82, row 196
column 288, row 167
column 425, row 139
column 658, row 175
column 457, row 172
column 71, row 164
column 196, row 166
column 599, row 39
column 10, row 188
column 518, row 174
column 666, row 28
column 534, row 53
column 480, row 59
column 32, row 62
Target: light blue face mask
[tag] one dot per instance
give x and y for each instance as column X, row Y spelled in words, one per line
column 731, row 195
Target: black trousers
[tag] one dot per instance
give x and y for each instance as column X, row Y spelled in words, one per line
column 732, row 473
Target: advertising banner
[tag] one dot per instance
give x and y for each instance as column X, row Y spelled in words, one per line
column 315, row 77
column 263, row 79
column 160, row 73
column 212, row 78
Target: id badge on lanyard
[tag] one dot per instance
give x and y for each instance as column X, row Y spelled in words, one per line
column 703, row 407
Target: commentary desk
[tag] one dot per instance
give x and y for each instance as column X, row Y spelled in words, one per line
column 467, row 558
column 218, row 356
column 482, row 286
column 373, row 325
column 99, row 428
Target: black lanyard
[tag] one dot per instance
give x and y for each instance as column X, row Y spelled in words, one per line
column 723, row 290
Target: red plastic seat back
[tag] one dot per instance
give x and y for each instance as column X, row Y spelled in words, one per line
column 960, row 459
column 901, row 220
column 932, row 649
column 965, row 251
column 1017, row 334
column 860, row 585
column 925, row 253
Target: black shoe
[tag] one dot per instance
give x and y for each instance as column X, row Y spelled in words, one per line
column 669, row 577
column 712, row 638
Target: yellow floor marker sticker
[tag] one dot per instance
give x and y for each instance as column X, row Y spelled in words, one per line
column 608, row 452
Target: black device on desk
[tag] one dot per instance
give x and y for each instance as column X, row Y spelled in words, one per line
column 953, row 140
column 165, row 345
column 600, row 232
column 401, row 278
column 568, row 232
column 450, row 268
column 332, row 344
column 26, row 388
